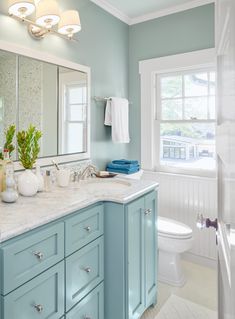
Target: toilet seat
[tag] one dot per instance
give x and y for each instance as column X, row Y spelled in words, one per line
column 173, row 229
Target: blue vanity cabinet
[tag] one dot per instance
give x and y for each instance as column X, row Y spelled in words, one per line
column 42, row 297
column 91, row 307
column 130, row 257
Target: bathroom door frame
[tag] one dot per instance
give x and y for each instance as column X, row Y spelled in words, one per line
column 225, row 43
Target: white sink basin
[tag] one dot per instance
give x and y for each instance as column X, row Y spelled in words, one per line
column 101, row 185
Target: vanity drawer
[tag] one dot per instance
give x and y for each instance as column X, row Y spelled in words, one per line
column 84, row 271
column 27, row 257
column 91, row 306
column 42, row 297
column 83, row 228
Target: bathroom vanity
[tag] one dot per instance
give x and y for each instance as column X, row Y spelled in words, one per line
column 85, row 252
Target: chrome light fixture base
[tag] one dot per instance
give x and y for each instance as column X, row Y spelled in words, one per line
column 37, row 32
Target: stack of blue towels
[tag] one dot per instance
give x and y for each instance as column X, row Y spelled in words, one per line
column 123, row 166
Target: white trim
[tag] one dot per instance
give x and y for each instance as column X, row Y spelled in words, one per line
column 42, row 56
column 200, row 260
column 171, row 10
column 148, row 70
column 113, row 11
column 149, row 16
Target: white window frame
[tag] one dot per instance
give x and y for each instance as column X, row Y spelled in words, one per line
column 150, row 127
column 69, row 79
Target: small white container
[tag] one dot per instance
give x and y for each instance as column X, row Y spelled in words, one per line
column 63, row 177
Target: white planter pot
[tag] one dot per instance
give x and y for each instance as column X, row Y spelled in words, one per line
column 28, row 183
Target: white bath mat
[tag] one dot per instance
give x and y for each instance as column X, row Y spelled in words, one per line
column 180, row 308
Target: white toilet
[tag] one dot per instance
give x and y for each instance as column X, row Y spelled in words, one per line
column 174, row 238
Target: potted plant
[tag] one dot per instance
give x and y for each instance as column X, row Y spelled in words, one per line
column 9, row 136
column 28, row 149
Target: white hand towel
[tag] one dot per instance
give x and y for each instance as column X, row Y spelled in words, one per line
column 117, row 115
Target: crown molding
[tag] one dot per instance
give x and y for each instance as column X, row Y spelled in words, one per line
column 112, row 10
column 150, row 16
column 161, row 13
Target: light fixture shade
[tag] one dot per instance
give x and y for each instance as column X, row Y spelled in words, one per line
column 47, row 13
column 21, row 8
column 69, row 23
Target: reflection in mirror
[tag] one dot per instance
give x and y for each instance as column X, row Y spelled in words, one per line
column 72, row 111
column 8, row 99
column 38, row 101
column 50, row 97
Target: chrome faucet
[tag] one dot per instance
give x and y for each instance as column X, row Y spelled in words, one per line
column 89, row 171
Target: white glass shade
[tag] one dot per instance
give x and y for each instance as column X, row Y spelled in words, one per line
column 69, row 23
column 47, row 13
column 21, row 8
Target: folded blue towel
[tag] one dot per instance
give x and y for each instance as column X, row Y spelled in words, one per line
column 123, row 171
column 122, row 166
column 124, row 161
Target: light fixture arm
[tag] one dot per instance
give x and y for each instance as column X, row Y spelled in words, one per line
column 38, row 32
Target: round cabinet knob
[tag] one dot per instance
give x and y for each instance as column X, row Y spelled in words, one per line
column 38, row 254
column 39, row 308
column 88, row 270
column 88, row 229
column 148, row 211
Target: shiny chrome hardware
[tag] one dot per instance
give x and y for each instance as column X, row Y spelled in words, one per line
column 38, row 254
column 85, row 317
column 39, row 308
column 89, row 171
column 203, row 222
column 88, row 229
column 148, row 212
column 87, row 269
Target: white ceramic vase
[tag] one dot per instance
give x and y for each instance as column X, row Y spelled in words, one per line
column 28, row 183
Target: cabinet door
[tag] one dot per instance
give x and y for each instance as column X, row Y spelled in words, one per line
column 135, row 233
column 150, row 248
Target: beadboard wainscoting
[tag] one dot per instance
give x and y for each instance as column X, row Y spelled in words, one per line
column 181, row 198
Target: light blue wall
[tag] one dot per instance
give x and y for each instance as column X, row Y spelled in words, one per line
column 103, row 45
column 113, row 50
column 177, row 33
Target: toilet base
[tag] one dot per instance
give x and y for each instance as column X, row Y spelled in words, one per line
column 170, row 269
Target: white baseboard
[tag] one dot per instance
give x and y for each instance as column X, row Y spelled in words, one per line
column 203, row 261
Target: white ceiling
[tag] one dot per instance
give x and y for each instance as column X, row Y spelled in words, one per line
column 135, row 11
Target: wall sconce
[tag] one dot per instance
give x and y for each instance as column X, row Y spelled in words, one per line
column 47, row 18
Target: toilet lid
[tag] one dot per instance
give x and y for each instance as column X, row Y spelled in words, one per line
column 172, row 228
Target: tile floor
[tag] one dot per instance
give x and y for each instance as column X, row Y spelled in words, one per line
column 201, row 288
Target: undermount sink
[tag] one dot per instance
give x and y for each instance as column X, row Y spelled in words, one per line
column 106, row 184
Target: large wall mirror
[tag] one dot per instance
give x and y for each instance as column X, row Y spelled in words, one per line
column 52, row 97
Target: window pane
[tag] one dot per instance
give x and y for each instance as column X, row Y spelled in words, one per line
column 212, row 114
column 76, row 95
column 212, row 83
column 188, row 145
column 172, row 109
column 171, row 87
column 75, row 138
column 76, row 112
column 196, row 84
column 196, row 108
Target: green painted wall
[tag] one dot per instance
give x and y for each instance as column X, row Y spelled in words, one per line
column 103, row 45
column 177, row 33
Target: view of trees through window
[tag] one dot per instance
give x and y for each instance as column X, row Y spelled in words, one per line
column 187, row 119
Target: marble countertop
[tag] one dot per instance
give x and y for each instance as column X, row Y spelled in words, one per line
column 31, row 212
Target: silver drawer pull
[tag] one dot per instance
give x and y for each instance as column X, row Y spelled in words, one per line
column 148, row 211
column 86, row 317
column 39, row 308
column 88, row 229
column 38, row 254
column 87, row 269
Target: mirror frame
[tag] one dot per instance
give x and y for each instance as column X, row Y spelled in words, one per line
column 45, row 57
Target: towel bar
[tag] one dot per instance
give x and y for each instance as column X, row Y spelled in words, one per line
column 101, row 99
